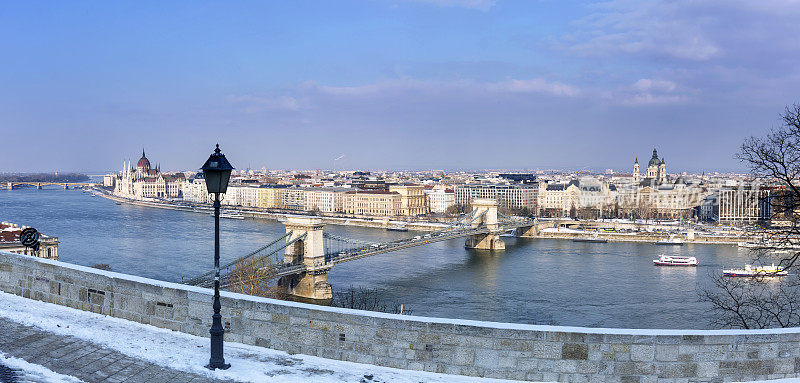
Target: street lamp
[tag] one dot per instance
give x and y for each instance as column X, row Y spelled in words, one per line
column 217, row 172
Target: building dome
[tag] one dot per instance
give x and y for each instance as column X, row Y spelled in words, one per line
column 143, row 163
column 654, row 161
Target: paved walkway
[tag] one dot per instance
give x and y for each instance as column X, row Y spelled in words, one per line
column 82, row 359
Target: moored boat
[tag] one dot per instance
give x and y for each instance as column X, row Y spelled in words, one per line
column 756, row 271
column 593, row 239
column 669, row 260
column 230, row 215
column 672, row 240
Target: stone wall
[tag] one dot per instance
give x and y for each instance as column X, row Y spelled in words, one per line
column 500, row 350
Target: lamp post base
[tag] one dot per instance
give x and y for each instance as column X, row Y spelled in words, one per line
column 223, row 366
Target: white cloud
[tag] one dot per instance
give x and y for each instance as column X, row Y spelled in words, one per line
column 647, row 91
column 537, row 85
column 645, row 27
column 254, row 104
column 509, row 86
column 653, row 99
column 647, row 84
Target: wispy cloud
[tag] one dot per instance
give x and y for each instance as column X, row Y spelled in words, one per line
column 254, row 104
column 652, row 92
column 643, row 27
column 509, row 86
column 482, row 5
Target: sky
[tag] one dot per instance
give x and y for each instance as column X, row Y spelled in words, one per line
column 392, row 84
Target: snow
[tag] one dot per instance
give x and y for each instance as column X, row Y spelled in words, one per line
column 34, row 373
column 190, row 353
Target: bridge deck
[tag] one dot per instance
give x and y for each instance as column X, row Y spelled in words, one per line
column 375, row 249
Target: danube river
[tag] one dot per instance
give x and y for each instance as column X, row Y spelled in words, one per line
column 534, row 281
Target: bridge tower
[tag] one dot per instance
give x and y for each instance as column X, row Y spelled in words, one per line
column 490, row 240
column 309, row 251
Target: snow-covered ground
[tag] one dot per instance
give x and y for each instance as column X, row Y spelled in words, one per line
column 34, row 373
column 190, row 353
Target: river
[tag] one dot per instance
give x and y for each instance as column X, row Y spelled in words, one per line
column 533, row 281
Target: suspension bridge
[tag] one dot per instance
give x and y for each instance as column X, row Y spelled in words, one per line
column 302, row 257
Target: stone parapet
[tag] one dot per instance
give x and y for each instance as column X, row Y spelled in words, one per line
column 497, row 350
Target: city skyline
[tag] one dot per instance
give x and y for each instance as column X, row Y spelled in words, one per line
column 444, row 84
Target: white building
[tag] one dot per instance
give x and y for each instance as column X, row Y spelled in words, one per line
column 507, row 196
column 294, row 198
column 440, row 199
column 195, row 190
column 329, row 200
column 738, row 203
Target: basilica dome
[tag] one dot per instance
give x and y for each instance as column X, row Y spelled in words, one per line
column 654, row 161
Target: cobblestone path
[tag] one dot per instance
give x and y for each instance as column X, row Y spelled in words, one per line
column 84, row 360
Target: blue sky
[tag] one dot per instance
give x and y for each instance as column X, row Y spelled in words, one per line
column 393, row 84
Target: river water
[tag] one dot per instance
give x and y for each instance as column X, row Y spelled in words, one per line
column 533, row 281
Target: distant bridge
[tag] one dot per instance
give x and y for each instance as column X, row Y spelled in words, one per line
column 302, row 257
column 39, row 185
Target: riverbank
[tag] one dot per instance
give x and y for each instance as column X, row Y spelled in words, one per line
column 636, row 237
column 272, row 216
column 647, row 238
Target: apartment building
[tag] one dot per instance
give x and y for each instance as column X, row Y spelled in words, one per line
column 372, row 202
column 329, row 200
column 440, row 199
column 507, row 196
column 412, row 199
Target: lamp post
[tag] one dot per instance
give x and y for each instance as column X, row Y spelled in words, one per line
column 217, row 172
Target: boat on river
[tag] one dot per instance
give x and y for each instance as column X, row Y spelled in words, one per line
column 756, row 271
column 592, row 239
column 670, row 260
column 230, row 215
column 672, row 240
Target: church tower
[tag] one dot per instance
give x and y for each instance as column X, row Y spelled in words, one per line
column 636, row 174
column 662, row 171
column 653, row 167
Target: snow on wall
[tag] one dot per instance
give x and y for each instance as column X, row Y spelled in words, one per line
column 499, row 350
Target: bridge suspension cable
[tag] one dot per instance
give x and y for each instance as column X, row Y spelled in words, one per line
column 262, row 254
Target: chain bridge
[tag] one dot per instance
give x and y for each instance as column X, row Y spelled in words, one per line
column 302, row 257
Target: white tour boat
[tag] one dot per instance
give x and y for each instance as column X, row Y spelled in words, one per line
column 756, row 271
column 669, row 260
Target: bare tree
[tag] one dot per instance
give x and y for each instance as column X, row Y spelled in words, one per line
column 643, row 210
column 366, row 299
column 757, row 302
column 767, row 301
column 255, row 276
column 456, row 209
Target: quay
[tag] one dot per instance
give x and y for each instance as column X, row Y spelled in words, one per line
column 640, row 237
